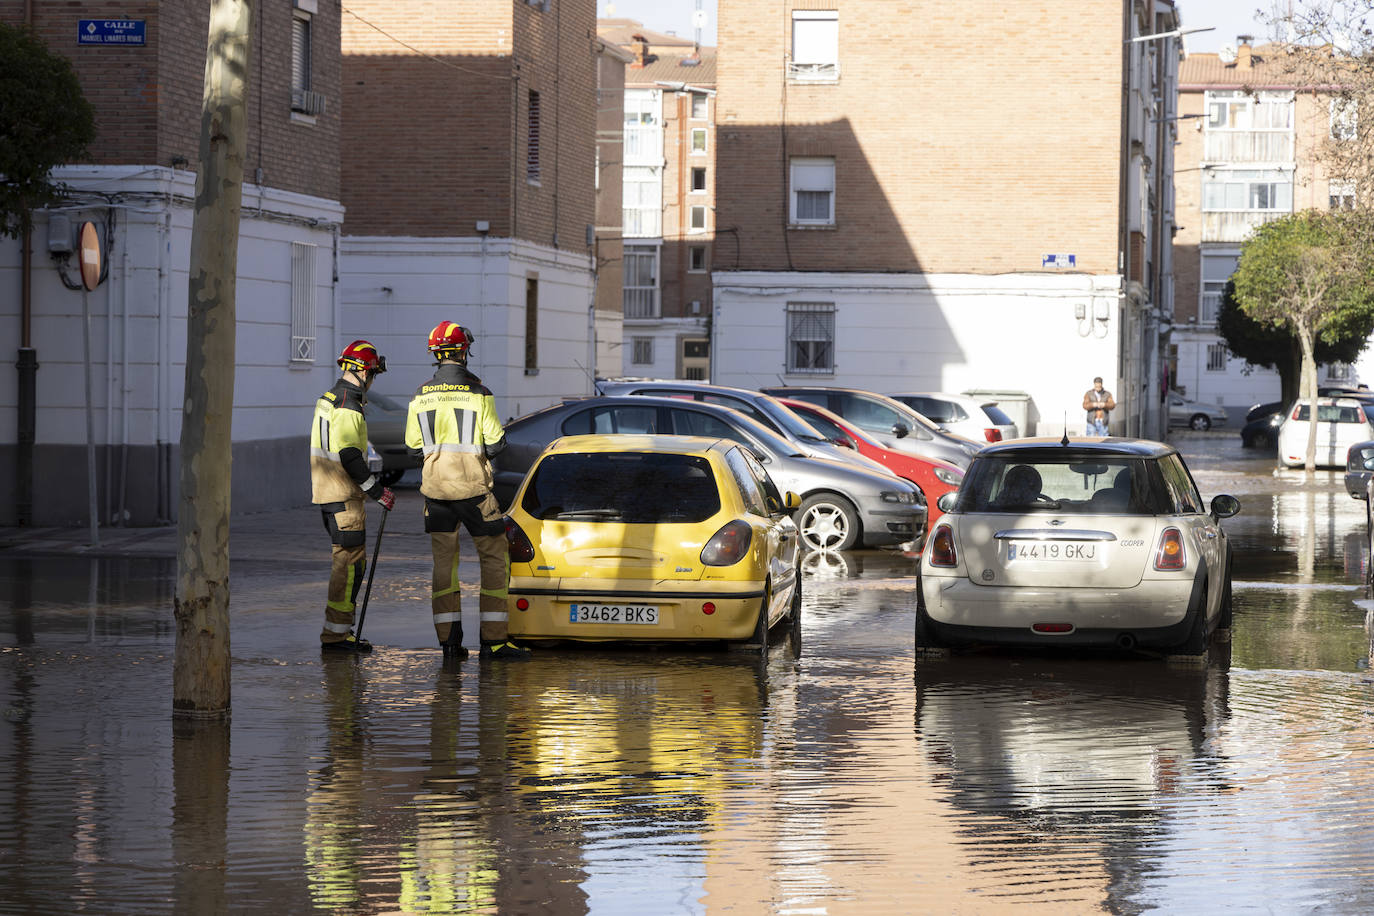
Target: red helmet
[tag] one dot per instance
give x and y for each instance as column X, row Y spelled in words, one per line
column 449, row 340
column 361, row 356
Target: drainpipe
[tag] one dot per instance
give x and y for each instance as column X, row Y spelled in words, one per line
column 27, row 365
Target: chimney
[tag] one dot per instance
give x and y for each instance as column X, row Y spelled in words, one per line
column 1243, row 52
column 641, row 51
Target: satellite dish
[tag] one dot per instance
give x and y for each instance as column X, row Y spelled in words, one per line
column 1227, row 53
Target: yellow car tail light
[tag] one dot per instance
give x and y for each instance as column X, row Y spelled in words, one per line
column 521, row 550
column 728, row 545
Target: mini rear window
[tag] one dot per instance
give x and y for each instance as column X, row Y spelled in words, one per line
column 1083, row 485
column 623, row 487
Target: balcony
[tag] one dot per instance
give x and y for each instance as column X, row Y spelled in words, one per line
column 641, row 223
column 643, row 146
column 1235, row 225
column 1232, row 146
column 641, row 302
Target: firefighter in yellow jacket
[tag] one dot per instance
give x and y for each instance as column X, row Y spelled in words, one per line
column 453, row 422
column 339, row 478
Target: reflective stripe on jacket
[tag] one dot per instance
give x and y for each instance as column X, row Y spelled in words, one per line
column 452, row 421
column 338, row 446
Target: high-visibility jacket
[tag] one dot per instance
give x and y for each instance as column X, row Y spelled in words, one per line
column 452, row 421
column 338, row 447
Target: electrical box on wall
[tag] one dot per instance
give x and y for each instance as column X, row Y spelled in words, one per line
column 59, row 235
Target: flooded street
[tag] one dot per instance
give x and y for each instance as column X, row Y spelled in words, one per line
column 836, row 775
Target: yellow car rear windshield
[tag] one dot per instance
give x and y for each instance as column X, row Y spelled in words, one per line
column 623, row 487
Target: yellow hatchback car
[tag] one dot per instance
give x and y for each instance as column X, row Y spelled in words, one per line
column 653, row 538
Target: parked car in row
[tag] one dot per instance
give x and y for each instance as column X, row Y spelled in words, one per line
column 1341, row 422
column 1194, row 414
column 1262, row 423
column 1094, row 543
column 890, row 422
column 1359, row 466
column 652, row 538
column 386, row 428
column 972, row 418
column 843, row 504
column 935, row 478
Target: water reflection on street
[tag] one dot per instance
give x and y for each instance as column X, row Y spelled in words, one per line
column 845, row 778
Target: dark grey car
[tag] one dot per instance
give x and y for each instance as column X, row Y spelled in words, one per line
column 386, row 430
column 843, row 505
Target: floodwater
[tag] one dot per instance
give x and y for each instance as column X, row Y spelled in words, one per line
column 836, row 775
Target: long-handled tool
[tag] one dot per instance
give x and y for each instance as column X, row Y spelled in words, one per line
column 371, row 571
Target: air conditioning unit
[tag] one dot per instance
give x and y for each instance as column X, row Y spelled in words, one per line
column 307, row 102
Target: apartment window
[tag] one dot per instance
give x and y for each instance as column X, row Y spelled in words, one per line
column 699, row 181
column 303, row 99
column 303, row 293
column 1341, row 194
column 1234, row 109
column 642, row 351
column 698, row 139
column 1216, row 270
column 696, row 258
column 541, row 5
column 699, row 106
column 640, row 283
column 531, row 326
column 698, row 219
column 815, row 45
column 642, row 201
column 813, row 192
column 532, row 139
column 1239, row 189
column 1216, row 357
column 811, row 338
column 1344, row 118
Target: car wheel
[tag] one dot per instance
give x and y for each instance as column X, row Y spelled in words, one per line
column 925, row 638
column 794, row 610
column 392, row 477
column 828, row 522
column 1200, row 421
column 1227, row 617
column 760, row 638
column 1195, row 646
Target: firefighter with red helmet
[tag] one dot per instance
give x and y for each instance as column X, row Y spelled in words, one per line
column 452, row 421
column 339, row 478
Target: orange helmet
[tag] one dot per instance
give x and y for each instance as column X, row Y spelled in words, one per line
column 361, row 356
column 450, row 341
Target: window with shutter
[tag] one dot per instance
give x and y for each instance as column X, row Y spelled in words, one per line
column 532, row 140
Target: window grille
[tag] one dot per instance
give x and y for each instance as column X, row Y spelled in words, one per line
column 643, row 351
column 811, row 338
column 303, row 293
column 532, row 140
column 1216, row 357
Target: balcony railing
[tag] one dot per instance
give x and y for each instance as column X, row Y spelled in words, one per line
column 643, row 146
column 641, row 302
column 1248, row 146
column 641, row 223
column 1235, row 225
column 813, row 73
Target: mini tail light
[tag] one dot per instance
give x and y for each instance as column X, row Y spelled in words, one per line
column 521, row 550
column 728, row 545
column 942, row 552
column 1297, row 409
column 1170, row 554
column 992, row 435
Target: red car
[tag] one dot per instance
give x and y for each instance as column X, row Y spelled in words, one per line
column 935, row 478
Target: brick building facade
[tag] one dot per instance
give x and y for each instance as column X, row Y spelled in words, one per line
column 904, row 206
column 144, row 75
column 470, row 150
column 669, row 217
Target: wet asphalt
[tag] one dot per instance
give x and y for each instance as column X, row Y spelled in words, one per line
column 835, row 774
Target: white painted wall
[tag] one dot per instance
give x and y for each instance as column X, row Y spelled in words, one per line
column 939, row 332
column 138, row 315
column 394, row 290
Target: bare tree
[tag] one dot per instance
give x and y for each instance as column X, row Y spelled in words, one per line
column 200, row 675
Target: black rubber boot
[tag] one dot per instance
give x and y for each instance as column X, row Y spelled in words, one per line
column 453, row 646
column 506, row 649
column 349, row 643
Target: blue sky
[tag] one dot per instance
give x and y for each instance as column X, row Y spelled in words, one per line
column 1230, row 17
